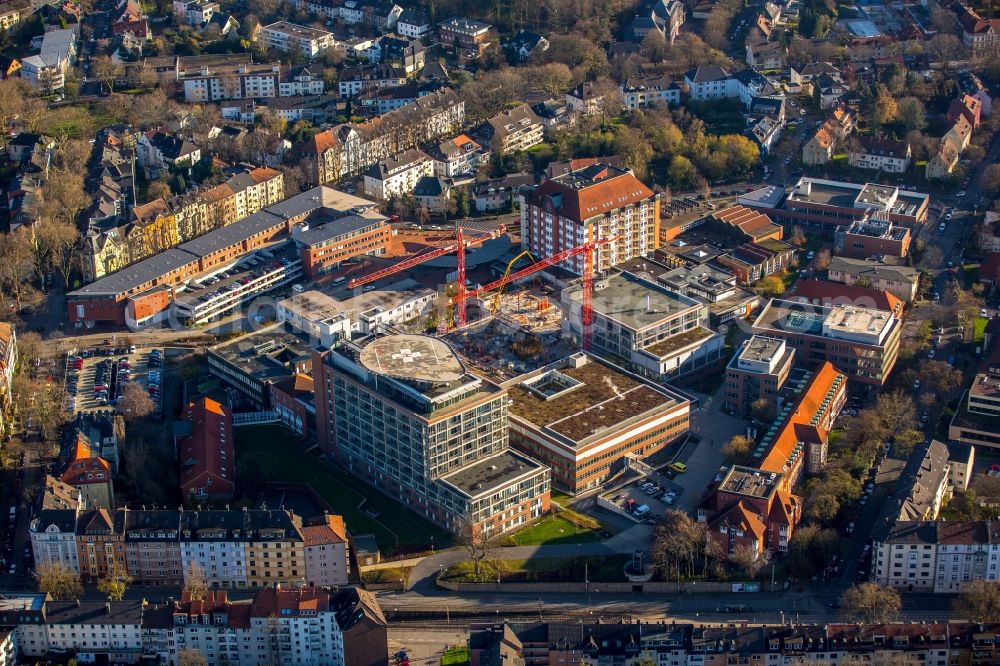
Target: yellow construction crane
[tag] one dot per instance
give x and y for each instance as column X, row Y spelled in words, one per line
column 503, row 280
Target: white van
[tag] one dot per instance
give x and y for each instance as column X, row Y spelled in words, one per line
column 642, row 511
column 338, row 281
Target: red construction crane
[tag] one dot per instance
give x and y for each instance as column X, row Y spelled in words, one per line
column 587, row 311
column 406, row 264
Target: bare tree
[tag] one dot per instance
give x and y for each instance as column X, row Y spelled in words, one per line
column 191, row 657
column 979, row 602
column 107, row 71
column 477, row 542
column 135, row 402
column 749, row 559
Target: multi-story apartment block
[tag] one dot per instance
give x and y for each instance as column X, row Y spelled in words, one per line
column 936, row 556
column 511, row 131
column 710, row 82
column 900, row 281
column 153, row 547
column 308, row 626
column 351, row 148
column 659, row 333
column 100, row 542
column 397, row 176
column 52, row 529
column 413, row 23
column 881, row 154
column 980, row 35
column 360, row 78
column 325, row 547
column 47, row 71
column 863, row 343
column 458, row 157
column 583, row 417
column 289, row 37
column 161, row 224
column 404, row 414
column 470, row 39
column 589, row 204
column 640, row 92
column 870, row 237
column 758, row 369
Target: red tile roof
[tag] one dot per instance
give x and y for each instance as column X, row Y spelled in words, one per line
column 206, row 456
column 290, row 602
column 330, row 531
column 809, row 405
column 600, row 197
column 85, row 471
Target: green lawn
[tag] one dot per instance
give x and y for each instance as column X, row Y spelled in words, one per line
column 979, row 330
column 457, row 655
column 595, row 568
column 554, row 528
column 395, row 529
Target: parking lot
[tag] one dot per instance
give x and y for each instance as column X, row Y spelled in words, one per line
column 95, row 378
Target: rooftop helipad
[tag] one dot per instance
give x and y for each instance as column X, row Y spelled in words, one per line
column 413, row 357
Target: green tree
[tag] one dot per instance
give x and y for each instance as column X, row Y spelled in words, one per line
column 737, row 449
column 771, row 286
column 115, row 583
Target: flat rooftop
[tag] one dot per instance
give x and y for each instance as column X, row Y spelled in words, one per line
column 750, row 482
column 302, row 31
column 875, row 229
column 633, row 302
column 855, row 319
column 985, row 386
column 137, row 274
column 491, row 474
column 671, row 345
column 317, row 305
column 266, row 353
column 761, row 348
column 412, row 357
column 855, row 195
column 792, row 316
column 341, row 228
column 21, row 602
column 583, row 402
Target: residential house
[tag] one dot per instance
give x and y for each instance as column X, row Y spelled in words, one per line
column 585, row 98
column 830, row 90
column 819, row 149
column 709, row 82
column 287, row 37
column 157, row 150
column 664, row 16
column 46, row 71
column 354, row 80
column 900, row 281
column 972, row 85
column 942, row 164
column 960, row 133
column 768, row 55
column 90, row 474
column 398, row 175
column 413, row 23
column 980, row 35
column 461, row 156
column 639, row 92
column 511, row 131
column 525, row 43
column 965, row 106
column 470, row 39
column 432, row 192
column 53, row 525
column 501, row 194
column 766, row 131
column 880, row 154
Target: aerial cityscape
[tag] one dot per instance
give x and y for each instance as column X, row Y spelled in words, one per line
column 467, row 333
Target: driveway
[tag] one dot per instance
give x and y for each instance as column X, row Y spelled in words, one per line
column 703, row 458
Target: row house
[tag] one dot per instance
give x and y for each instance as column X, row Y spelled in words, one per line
column 980, row 35
column 937, row 556
column 162, row 224
column 233, row 77
column 351, row 148
column 279, row 626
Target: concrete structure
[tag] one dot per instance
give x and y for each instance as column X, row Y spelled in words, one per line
column 207, row 461
column 870, row 237
column 900, row 281
column 458, row 157
column 758, row 369
column 659, row 333
column 252, row 362
column 588, row 204
column 326, row 319
column 47, row 71
column 584, row 418
column 862, row 342
column 977, row 421
column 826, row 205
column 404, row 414
column 324, row 247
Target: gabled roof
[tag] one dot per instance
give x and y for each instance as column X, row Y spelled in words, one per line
column 324, row 530
column 208, row 452
column 706, row 74
column 595, row 190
